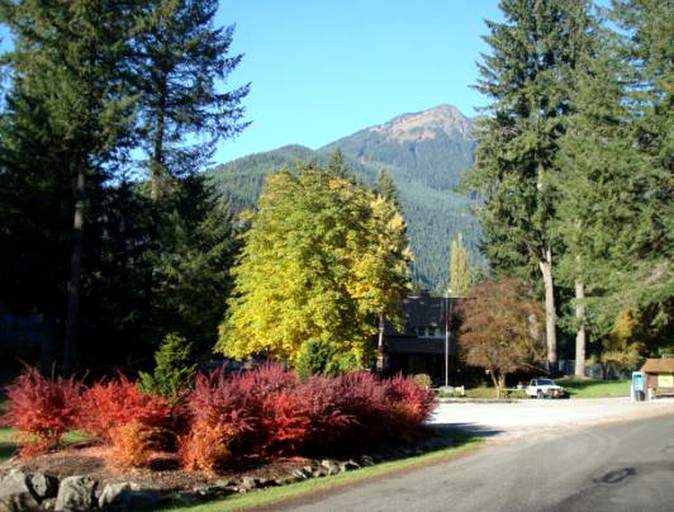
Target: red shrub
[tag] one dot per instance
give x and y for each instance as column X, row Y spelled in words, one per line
column 219, row 420
column 409, row 403
column 361, row 395
column 42, row 409
column 284, row 422
column 258, row 411
column 265, row 380
column 329, row 426
column 206, row 447
column 133, row 443
column 107, row 405
column 217, row 399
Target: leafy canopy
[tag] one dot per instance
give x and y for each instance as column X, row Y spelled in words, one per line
column 322, row 259
column 502, row 329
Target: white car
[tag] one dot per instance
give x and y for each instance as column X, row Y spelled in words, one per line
column 544, row 388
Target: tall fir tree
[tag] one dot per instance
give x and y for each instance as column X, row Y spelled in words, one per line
column 647, row 30
column 596, row 195
column 182, row 65
column 69, row 60
column 528, row 75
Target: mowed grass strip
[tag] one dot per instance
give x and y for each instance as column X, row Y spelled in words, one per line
column 591, row 388
column 575, row 387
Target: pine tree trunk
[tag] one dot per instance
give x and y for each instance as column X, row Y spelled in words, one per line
column 550, row 314
column 75, row 278
column 580, row 334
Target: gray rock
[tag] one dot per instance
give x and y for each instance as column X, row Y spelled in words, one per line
column 49, row 504
column 76, row 494
column 44, row 486
column 16, row 494
column 349, row 465
column 248, row 483
column 331, row 467
column 366, row 460
column 128, row 496
column 301, row 474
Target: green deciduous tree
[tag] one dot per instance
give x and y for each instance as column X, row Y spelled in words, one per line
column 501, row 331
column 528, row 75
column 322, row 260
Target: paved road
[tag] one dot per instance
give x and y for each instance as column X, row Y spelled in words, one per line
column 617, row 466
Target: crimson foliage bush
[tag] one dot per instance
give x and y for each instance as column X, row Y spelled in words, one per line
column 106, row 406
column 218, row 416
column 409, row 404
column 42, row 409
column 361, row 395
column 267, row 411
column 330, row 424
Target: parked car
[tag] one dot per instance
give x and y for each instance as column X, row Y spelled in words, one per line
column 544, row 388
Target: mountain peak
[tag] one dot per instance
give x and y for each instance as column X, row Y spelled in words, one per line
column 427, row 124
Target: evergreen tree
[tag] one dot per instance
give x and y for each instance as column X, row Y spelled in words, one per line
column 528, row 75
column 597, row 195
column 68, row 62
column 92, row 81
column 337, row 165
column 181, row 58
column 191, row 258
column 647, row 47
column 387, row 188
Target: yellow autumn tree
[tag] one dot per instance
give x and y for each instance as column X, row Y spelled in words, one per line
column 322, row 260
column 622, row 347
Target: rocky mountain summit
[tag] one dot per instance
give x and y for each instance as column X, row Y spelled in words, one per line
column 428, row 124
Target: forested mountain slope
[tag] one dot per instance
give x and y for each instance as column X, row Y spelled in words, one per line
column 426, row 153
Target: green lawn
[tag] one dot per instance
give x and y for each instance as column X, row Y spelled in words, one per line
column 590, row 388
column 576, row 388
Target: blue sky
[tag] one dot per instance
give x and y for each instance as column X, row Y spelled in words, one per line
column 323, row 69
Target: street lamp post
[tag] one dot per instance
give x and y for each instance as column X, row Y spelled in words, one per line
column 449, row 292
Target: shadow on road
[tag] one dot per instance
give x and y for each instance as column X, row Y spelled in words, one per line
column 471, row 429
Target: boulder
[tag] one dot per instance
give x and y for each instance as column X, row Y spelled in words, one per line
column 349, row 465
column 128, row 496
column 16, row 494
column 76, row 494
column 44, row 486
column 331, row 467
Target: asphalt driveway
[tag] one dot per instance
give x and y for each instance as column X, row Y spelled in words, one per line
column 507, row 420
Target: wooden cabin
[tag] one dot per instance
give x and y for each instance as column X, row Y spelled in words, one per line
column 659, row 376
